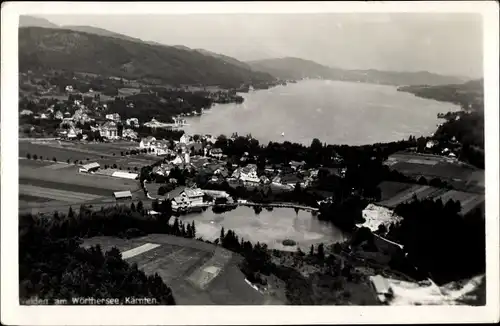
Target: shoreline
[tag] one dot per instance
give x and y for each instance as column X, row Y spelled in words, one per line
column 308, row 141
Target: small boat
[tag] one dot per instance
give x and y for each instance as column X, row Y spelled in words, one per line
column 282, row 134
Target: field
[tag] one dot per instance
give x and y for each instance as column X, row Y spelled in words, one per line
column 103, row 153
column 391, row 188
column 45, row 186
column 460, row 175
column 198, row 273
column 395, row 193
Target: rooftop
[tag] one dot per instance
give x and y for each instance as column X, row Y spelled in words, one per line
column 91, row 166
column 193, row 192
column 122, row 194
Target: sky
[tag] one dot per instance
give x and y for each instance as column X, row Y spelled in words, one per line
column 442, row 43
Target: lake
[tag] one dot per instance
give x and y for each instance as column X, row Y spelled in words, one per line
column 333, row 111
column 269, row 227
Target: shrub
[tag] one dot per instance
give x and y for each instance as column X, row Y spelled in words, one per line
column 162, row 191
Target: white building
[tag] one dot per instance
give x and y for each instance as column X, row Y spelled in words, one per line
column 185, row 139
column 129, row 133
column 132, row 122
column 146, row 142
column 247, row 175
column 188, row 198
column 89, row 168
column 109, row 130
column 69, row 88
column 26, row 112
column 194, row 196
column 113, row 117
column 58, row 115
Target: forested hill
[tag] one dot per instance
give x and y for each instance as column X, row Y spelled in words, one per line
column 226, row 58
column 45, row 48
column 296, row 68
column 469, row 95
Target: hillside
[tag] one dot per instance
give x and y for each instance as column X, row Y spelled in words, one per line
column 468, row 95
column 291, row 68
column 295, row 68
column 31, row 21
column 99, row 31
column 226, row 58
column 41, row 48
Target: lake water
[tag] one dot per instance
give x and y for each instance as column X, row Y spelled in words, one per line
column 269, row 227
column 333, row 111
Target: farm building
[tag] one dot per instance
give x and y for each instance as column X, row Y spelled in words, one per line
column 122, row 195
column 381, row 287
column 91, row 167
column 125, row 175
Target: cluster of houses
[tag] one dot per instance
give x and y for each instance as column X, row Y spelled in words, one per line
column 450, row 149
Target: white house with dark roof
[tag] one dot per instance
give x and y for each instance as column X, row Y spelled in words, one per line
column 146, row 142
column 109, row 130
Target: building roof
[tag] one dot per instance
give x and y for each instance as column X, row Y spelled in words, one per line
column 122, row 194
column 193, row 192
column 176, row 192
column 91, row 166
column 125, row 175
column 109, row 124
column 380, row 283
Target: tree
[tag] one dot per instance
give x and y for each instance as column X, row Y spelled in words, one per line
column 122, row 154
column 54, row 159
column 193, row 229
column 28, row 156
column 162, row 191
column 140, row 206
column 35, row 157
column 222, row 235
column 311, row 251
column 68, row 161
column 321, row 251
column 70, row 212
column 132, row 207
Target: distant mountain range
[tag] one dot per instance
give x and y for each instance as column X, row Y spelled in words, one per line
column 296, row 68
column 136, row 58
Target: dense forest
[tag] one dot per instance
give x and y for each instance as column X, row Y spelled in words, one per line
column 440, row 241
column 162, row 106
